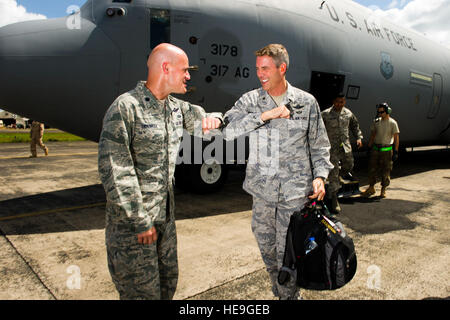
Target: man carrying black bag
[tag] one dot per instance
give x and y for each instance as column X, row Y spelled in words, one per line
column 319, row 253
column 289, row 156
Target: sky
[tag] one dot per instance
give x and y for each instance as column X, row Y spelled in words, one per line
column 428, row 17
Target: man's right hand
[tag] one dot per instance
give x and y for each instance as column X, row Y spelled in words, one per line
column 395, row 155
column 148, row 237
column 275, row 113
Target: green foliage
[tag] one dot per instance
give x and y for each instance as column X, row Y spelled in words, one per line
column 9, row 137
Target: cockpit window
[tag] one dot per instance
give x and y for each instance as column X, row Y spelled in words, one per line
column 159, row 26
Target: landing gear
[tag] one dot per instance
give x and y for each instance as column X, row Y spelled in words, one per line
column 202, row 178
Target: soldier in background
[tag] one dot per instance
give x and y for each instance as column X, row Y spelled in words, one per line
column 339, row 121
column 36, row 134
column 288, row 158
column 138, row 148
column 383, row 133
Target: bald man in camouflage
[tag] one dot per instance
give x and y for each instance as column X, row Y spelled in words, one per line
column 138, row 148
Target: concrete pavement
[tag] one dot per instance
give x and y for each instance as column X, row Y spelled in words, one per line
column 52, row 232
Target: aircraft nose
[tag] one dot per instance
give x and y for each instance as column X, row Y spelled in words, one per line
column 48, row 71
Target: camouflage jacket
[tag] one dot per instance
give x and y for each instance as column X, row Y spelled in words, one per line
column 338, row 125
column 37, row 130
column 285, row 154
column 137, row 153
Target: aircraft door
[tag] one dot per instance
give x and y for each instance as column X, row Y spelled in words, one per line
column 437, row 95
column 159, row 26
column 325, row 86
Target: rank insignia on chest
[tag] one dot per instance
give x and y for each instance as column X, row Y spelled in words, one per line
column 148, row 125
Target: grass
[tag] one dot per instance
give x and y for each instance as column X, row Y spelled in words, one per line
column 9, row 137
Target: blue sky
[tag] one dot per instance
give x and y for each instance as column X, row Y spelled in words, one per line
column 49, row 8
column 383, row 4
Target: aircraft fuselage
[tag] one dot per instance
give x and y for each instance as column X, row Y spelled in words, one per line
column 67, row 71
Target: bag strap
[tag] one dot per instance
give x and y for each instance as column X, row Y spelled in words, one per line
column 288, row 267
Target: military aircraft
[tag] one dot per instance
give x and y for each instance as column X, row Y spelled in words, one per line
column 67, row 71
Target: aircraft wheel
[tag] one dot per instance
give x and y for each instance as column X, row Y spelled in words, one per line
column 202, row 178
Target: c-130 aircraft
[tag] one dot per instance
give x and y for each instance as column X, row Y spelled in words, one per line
column 67, row 71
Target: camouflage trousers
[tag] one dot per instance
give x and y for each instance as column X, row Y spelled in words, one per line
column 345, row 167
column 36, row 141
column 270, row 221
column 380, row 165
column 141, row 271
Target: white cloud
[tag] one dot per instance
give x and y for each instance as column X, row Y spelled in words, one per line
column 428, row 17
column 397, row 3
column 11, row 12
column 393, row 4
column 374, row 7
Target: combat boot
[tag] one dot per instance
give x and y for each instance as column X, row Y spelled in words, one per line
column 349, row 177
column 335, row 207
column 383, row 192
column 369, row 191
column 46, row 151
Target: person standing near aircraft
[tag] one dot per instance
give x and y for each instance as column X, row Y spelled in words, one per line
column 36, row 135
column 339, row 120
column 288, row 158
column 138, row 147
column 384, row 132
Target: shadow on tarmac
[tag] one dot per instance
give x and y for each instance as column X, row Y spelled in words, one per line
column 372, row 216
column 53, row 200
column 376, row 215
column 83, row 208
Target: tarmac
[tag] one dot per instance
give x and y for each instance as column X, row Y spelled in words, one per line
column 52, row 223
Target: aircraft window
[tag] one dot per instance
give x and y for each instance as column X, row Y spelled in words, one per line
column 128, row 1
column 159, row 26
column 353, row 92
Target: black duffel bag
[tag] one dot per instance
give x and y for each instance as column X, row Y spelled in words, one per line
column 319, row 253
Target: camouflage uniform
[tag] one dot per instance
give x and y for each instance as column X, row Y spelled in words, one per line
column 36, row 134
column 338, row 125
column 138, row 149
column 285, row 156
